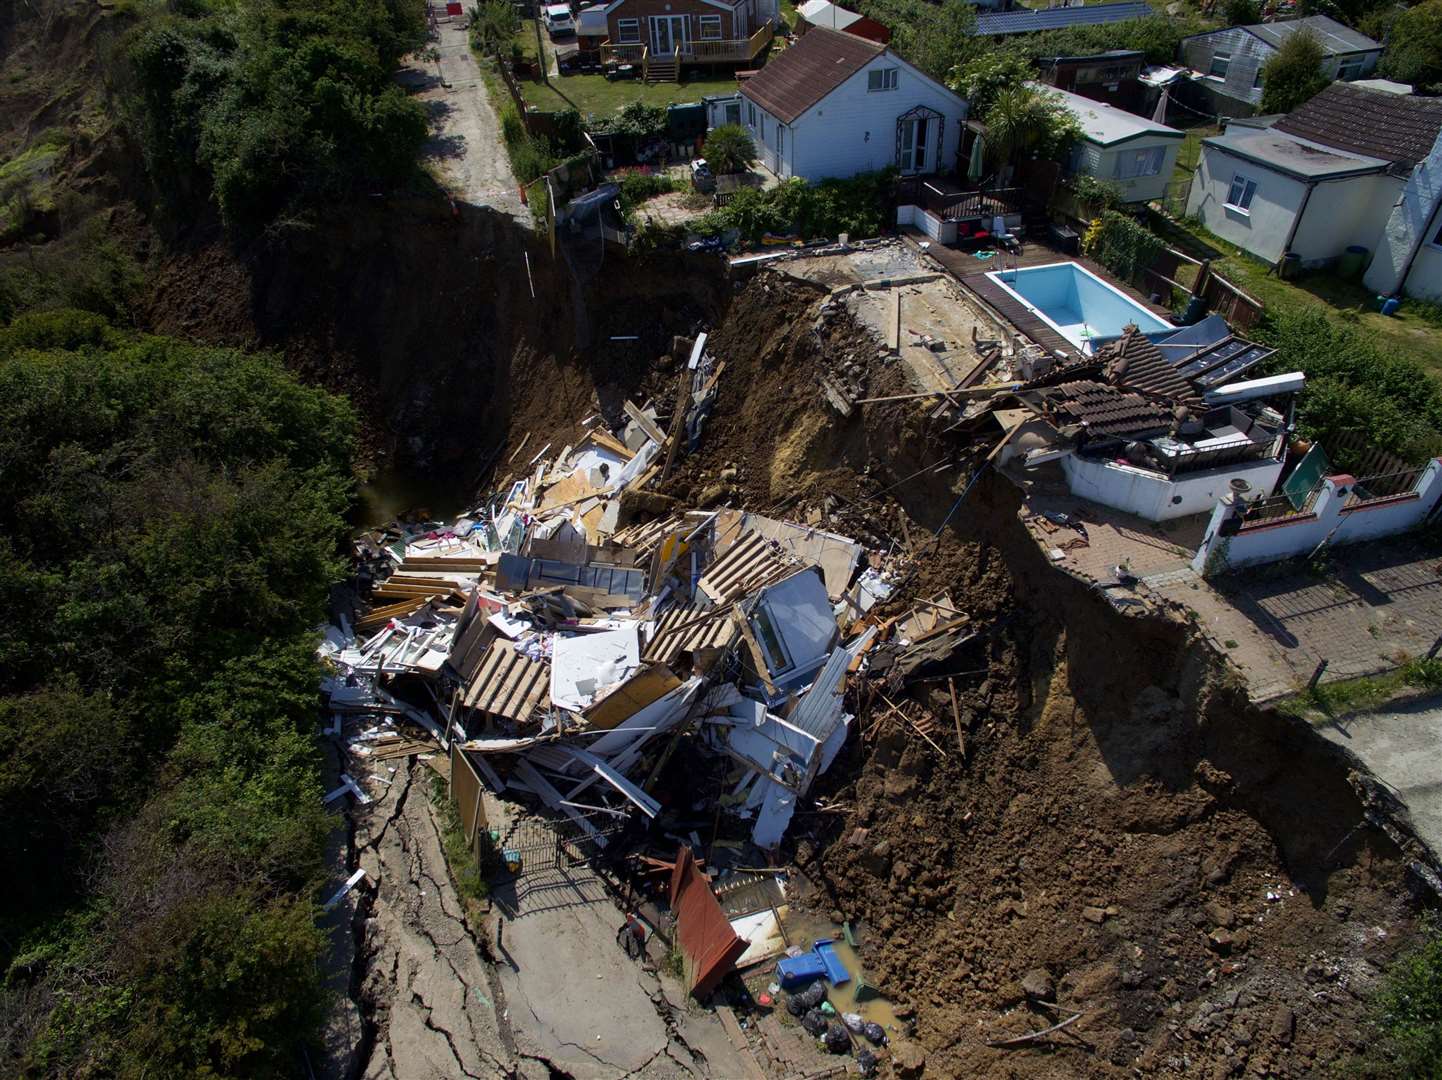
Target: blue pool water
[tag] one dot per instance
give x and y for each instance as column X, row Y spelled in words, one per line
column 1077, row 304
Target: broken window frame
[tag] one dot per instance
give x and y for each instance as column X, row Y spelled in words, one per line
column 774, row 649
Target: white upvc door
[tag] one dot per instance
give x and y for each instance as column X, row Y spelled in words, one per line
column 915, row 145
column 668, row 33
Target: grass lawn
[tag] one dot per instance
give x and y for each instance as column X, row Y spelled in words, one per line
column 1405, row 333
column 593, row 95
column 1191, row 152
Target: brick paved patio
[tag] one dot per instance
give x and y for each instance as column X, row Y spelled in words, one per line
column 1373, row 606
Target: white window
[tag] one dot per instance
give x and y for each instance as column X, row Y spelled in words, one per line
column 1257, row 80
column 1240, row 196
column 1351, row 68
column 710, row 27
column 1221, row 60
column 1134, row 163
column 733, row 112
column 628, row 31
column 882, row 79
column 751, row 116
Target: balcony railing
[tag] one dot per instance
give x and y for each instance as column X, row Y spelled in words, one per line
column 949, row 205
column 623, row 54
column 729, row 50
column 724, row 51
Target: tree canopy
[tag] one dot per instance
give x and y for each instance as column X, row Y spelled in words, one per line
column 170, row 519
column 1414, row 47
column 1293, row 74
column 275, row 105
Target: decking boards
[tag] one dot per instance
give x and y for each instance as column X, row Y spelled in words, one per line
column 971, row 272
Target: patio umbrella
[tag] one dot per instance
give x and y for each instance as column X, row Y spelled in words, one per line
column 974, row 165
column 1160, row 116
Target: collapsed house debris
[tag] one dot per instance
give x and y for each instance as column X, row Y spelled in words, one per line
column 1158, row 425
column 574, row 633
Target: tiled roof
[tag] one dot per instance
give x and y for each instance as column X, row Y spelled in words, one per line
column 1027, row 20
column 1105, row 410
column 1134, row 363
column 1389, row 126
column 809, row 70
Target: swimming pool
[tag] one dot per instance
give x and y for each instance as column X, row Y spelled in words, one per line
column 1077, row 304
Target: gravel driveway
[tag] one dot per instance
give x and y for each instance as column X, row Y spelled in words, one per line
column 466, row 141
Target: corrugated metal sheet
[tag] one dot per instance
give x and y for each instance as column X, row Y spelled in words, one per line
column 507, row 684
column 1029, row 20
column 709, row 944
column 1332, row 35
column 819, row 711
column 688, row 628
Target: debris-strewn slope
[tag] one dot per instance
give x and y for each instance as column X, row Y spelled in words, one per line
column 1194, row 876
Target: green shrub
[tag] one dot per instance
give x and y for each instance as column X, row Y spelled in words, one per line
column 1408, row 1013
column 857, row 207
column 532, row 156
column 981, row 79
column 1103, row 194
column 1414, row 47
column 636, row 120
column 1121, row 244
column 729, row 149
column 1294, row 73
column 637, row 187
column 1353, row 384
column 1242, row 12
column 494, row 26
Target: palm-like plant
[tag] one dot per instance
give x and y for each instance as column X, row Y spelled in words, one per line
column 1024, row 121
column 729, row 149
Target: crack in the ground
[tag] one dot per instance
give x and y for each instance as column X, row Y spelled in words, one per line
column 426, row 1018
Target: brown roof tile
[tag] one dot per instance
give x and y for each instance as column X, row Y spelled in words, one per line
column 809, row 70
column 1393, row 127
column 1104, row 410
column 1133, row 362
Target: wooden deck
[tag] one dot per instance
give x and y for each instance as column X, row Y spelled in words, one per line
column 971, row 272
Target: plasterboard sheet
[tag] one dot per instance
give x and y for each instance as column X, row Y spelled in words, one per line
column 586, row 666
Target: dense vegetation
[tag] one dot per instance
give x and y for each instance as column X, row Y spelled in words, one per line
column 1119, row 243
column 1414, row 47
column 934, row 36
column 796, row 208
column 276, row 105
column 1353, row 384
column 940, row 38
column 169, row 525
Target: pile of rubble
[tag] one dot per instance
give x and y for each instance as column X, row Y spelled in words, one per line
column 573, row 632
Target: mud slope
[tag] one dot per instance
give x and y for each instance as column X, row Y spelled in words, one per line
column 427, row 319
column 1193, row 876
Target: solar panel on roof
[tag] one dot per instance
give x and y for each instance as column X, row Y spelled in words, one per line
column 1243, row 361
column 1027, row 20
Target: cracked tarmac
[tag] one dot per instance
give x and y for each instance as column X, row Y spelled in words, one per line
column 563, row 1000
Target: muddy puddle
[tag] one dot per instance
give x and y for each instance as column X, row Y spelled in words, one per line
column 391, row 494
column 803, row 930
